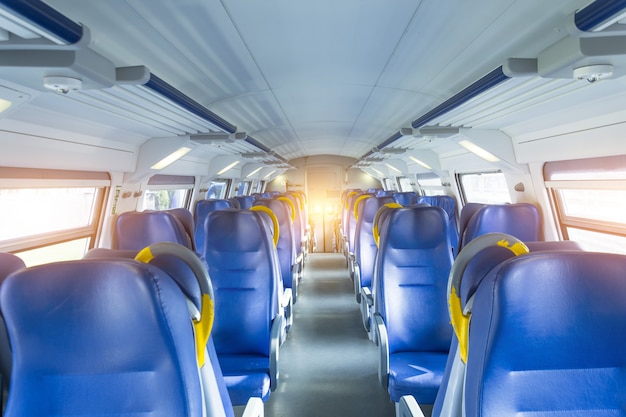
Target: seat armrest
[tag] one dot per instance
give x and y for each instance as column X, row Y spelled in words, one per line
column 357, row 281
column 254, row 408
column 408, row 407
column 383, row 350
column 367, row 296
column 367, row 301
column 275, row 338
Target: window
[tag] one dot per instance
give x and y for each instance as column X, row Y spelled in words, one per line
column 48, row 215
column 389, row 184
column 167, row 192
column 217, row 189
column 589, row 197
column 484, row 187
column 242, row 188
column 430, row 184
column 404, row 184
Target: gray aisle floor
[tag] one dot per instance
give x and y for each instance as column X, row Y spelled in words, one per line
column 328, row 367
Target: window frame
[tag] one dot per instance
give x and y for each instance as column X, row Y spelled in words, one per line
column 25, row 178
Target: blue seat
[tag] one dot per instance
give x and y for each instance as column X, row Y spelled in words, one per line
column 185, row 217
column 299, row 225
column 248, row 316
column 9, row 263
column 447, row 203
column 99, row 337
column 411, row 314
column 365, row 250
column 530, row 354
column 467, row 212
column 405, row 198
column 242, row 201
column 135, row 230
column 480, row 257
column 201, row 210
column 286, row 245
column 350, row 226
column 519, row 220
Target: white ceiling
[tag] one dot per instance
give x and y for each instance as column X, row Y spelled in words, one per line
column 326, row 76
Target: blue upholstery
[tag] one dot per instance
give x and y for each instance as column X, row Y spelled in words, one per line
column 83, row 346
column 185, row 218
column 519, row 220
column 238, row 251
column 405, row 198
column 447, row 203
column 546, row 337
column 242, row 201
column 9, row 263
column 365, row 248
column 467, row 212
column 299, row 224
column 201, row 210
column 286, row 246
column 412, row 269
column 135, row 230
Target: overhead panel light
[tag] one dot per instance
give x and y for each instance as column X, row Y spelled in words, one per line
column 394, row 168
column 377, row 171
column 226, row 168
column 269, row 174
column 169, row 159
column 4, row 104
column 477, row 150
column 417, row 161
column 254, row 172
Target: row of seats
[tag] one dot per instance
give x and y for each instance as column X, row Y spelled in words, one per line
column 401, row 283
column 251, row 255
column 495, row 364
column 112, row 337
column 252, row 259
column 534, row 331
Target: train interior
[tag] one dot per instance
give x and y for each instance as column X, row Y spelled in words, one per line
column 386, row 168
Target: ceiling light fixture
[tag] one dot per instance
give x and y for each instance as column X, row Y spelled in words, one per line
column 4, row 104
column 394, row 168
column 268, row 174
column 478, row 151
column 171, row 158
column 417, row 161
column 254, row 172
column 227, row 167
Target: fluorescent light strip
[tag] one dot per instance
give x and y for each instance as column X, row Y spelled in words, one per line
column 394, row 168
column 254, row 172
column 169, row 159
column 378, row 172
column 4, row 104
column 228, row 167
column 478, row 151
column 267, row 175
column 417, row 161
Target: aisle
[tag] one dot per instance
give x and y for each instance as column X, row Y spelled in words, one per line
column 328, row 367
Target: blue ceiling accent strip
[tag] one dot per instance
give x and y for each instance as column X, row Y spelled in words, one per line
column 253, row 141
column 597, row 13
column 166, row 90
column 492, row 79
column 66, row 29
column 390, row 140
column 47, row 18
